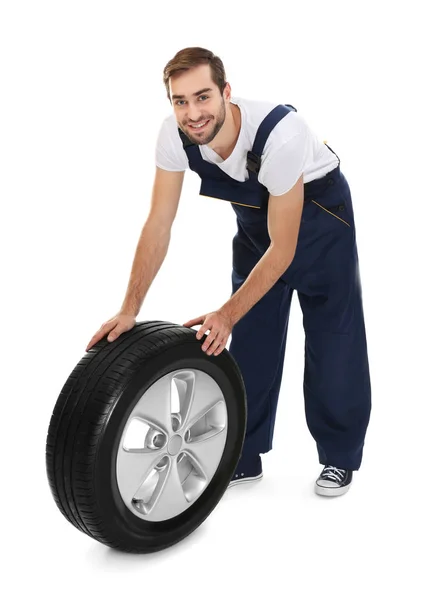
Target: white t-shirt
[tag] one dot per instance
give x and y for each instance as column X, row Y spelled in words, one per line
column 291, row 149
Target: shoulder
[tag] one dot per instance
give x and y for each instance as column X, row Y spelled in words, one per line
column 291, row 134
column 255, row 111
column 291, row 125
column 288, row 144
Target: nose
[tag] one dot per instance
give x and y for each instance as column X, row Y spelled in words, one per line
column 194, row 113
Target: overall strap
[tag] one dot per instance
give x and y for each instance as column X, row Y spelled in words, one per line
column 253, row 163
column 190, row 148
column 185, row 140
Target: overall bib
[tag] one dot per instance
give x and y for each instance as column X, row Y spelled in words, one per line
column 325, row 274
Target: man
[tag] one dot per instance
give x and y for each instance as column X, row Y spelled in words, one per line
column 295, row 231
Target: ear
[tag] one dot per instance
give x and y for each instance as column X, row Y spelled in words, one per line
column 227, row 92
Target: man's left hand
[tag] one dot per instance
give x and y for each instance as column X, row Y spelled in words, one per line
column 220, row 327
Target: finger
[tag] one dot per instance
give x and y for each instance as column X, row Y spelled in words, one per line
column 223, row 344
column 114, row 334
column 103, row 330
column 192, row 322
column 214, row 346
column 93, row 341
column 203, row 329
column 209, row 340
column 219, row 349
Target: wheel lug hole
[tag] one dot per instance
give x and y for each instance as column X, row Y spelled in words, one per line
column 159, row 440
column 162, row 463
column 176, row 421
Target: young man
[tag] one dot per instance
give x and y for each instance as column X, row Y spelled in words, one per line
column 295, row 231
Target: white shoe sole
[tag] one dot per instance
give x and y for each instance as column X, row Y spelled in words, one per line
column 331, row 491
column 245, row 480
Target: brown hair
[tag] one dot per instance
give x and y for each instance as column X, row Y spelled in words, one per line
column 193, row 57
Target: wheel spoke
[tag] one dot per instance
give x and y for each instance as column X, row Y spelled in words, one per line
column 205, row 394
column 155, row 404
column 133, row 466
column 206, row 450
column 170, row 499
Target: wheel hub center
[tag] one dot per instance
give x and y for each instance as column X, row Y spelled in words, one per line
column 174, row 445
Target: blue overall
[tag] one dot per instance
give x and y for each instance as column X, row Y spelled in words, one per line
column 325, row 274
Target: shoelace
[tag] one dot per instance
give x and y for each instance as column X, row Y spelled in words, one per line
column 333, row 474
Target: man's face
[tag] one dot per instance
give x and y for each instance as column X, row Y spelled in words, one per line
column 196, row 100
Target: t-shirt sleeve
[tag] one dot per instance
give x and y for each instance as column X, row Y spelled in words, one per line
column 283, row 165
column 169, row 153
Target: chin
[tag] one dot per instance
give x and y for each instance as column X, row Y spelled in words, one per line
column 199, row 140
column 206, row 139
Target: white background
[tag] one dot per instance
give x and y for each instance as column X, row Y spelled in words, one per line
column 81, row 101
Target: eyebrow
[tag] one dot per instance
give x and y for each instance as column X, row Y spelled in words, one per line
column 176, row 96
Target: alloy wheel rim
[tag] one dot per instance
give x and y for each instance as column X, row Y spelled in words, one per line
column 172, row 444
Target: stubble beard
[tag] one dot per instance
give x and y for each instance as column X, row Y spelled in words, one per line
column 217, row 126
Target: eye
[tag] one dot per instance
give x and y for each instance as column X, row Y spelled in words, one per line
column 204, row 96
column 178, row 101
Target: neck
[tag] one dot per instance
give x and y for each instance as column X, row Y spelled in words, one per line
column 223, row 143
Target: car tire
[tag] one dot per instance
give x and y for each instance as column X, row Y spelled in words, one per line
column 97, row 481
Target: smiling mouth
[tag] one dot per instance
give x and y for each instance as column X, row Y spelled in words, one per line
column 199, row 126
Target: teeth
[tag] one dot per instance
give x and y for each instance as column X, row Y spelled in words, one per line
column 200, row 125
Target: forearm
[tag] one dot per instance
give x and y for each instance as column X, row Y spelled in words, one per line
column 259, row 281
column 150, row 253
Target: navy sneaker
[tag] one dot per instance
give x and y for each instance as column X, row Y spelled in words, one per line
column 333, row 481
column 248, row 469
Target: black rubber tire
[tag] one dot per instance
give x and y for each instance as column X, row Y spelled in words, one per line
column 88, row 420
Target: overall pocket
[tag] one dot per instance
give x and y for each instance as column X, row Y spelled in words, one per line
column 338, row 211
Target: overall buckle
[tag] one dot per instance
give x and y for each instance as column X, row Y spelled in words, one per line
column 253, row 162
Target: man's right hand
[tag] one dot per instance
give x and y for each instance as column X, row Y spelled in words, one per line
column 115, row 326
